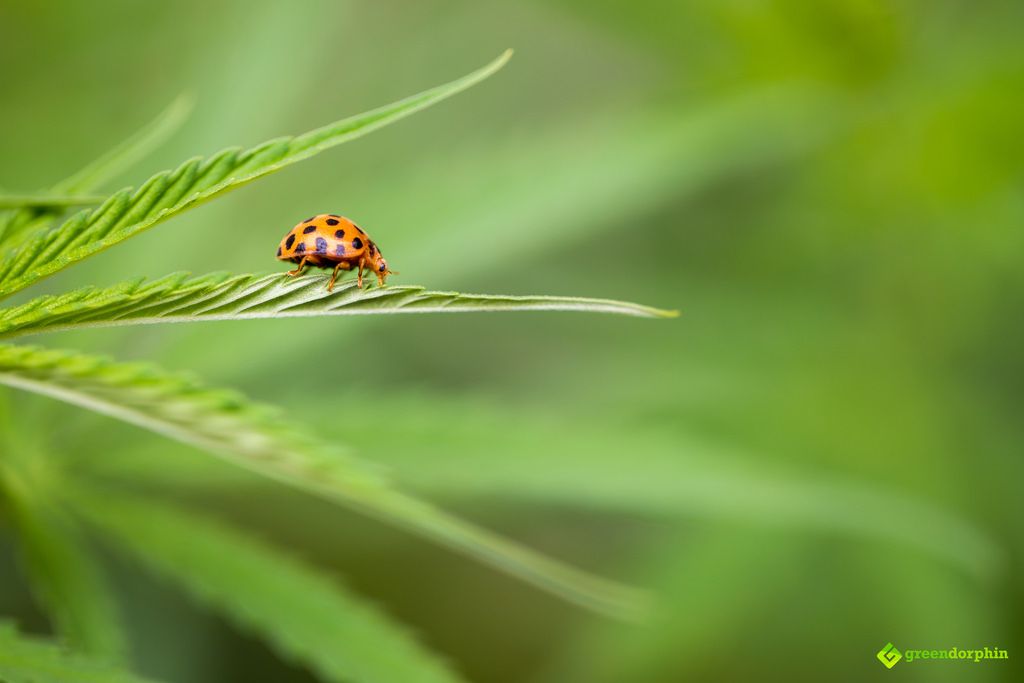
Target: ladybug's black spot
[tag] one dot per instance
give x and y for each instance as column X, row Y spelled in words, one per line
column 289, row 242
column 332, row 221
column 372, row 248
column 340, row 250
column 301, row 249
column 309, row 220
column 357, row 243
column 321, row 245
column 308, row 229
column 279, row 251
column 340, row 234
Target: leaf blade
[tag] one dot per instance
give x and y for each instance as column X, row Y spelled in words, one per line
column 132, row 150
column 295, row 608
column 67, row 580
column 32, row 660
column 52, row 200
column 175, row 299
column 172, row 192
column 27, row 223
column 251, row 436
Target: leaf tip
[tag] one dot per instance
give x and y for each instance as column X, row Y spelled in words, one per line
column 182, row 105
column 498, row 63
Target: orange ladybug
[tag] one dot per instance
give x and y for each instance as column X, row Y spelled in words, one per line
column 331, row 240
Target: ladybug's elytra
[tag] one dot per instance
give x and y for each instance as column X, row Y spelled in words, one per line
column 330, row 240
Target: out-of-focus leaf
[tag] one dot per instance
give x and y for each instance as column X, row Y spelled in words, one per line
column 131, row 151
column 253, row 436
column 677, row 476
column 299, row 612
column 428, row 450
column 31, row 660
column 17, row 201
column 595, row 175
column 61, row 568
column 725, row 574
column 24, row 224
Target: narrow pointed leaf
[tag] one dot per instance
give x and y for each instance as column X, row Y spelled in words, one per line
column 298, row 611
column 130, row 151
column 252, row 436
column 32, row 660
column 28, row 222
column 18, row 201
column 175, row 299
column 64, row 574
column 682, row 476
column 169, row 193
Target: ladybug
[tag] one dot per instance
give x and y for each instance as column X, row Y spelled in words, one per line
column 331, row 240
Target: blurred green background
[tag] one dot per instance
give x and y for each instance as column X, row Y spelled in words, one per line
column 820, row 456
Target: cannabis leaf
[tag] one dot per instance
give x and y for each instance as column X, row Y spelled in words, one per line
column 177, row 298
column 169, row 193
column 19, row 201
column 67, row 580
column 298, row 611
column 255, row 437
column 35, row 215
column 31, row 660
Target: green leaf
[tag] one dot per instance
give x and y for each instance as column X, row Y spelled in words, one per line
column 252, row 436
column 169, row 193
column 679, row 475
column 131, row 151
column 18, row 201
column 661, row 160
column 31, row 660
column 298, row 611
column 60, row 567
column 26, row 223
column 175, row 299
column 728, row 575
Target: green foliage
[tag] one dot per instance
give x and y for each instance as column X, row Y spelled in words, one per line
column 15, row 201
column 681, row 477
column 59, row 564
column 255, row 437
column 169, row 193
column 129, row 152
column 35, row 217
column 65, row 576
column 299, row 612
column 830, row 433
column 177, row 298
column 30, row 660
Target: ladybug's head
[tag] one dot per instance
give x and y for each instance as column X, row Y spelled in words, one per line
column 380, row 267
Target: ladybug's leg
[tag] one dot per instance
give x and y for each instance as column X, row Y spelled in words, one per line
column 359, row 280
column 334, row 276
column 302, row 264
